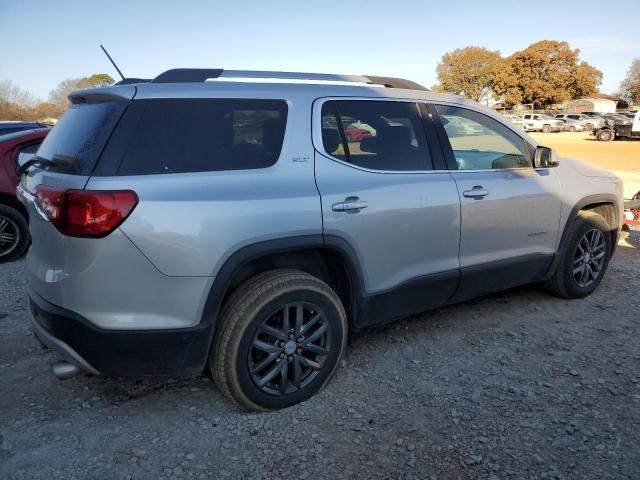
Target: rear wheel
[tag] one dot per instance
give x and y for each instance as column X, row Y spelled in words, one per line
column 585, row 257
column 278, row 341
column 572, row 128
column 14, row 234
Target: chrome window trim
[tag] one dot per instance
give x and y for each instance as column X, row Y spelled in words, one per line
column 316, row 133
column 518, row 132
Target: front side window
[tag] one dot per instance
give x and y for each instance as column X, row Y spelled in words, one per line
column 195, row 135
column 480, row 142
column 379, row 135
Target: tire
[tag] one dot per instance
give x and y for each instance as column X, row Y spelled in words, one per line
column 14, row 234
column 572, row 128
column 546, row 128
column 564, row 282
column 259, row 303
column 605, row 135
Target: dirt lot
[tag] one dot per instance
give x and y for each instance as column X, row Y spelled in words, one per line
column 519, row 385
column 621, row 156
column 513, row 386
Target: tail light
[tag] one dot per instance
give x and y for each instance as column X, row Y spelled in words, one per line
column 86, row 213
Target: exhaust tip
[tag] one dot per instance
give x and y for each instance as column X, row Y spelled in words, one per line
column 65, row 370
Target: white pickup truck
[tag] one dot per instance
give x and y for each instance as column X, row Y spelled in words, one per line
column 539, row 122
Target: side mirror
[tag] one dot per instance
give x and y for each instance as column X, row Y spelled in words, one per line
column 545, row 157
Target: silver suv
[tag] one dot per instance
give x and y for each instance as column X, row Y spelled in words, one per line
column 246, row 226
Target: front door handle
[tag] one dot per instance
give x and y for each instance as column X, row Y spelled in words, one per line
column 478, row 192
column 350, row 205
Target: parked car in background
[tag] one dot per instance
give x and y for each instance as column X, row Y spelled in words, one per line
column 516, row 120
column 628, row 114
column 464, row 127
column 589, row 123
column 15, row 149
column 572, row 125
column 7, row 127
column 540, row 122
column 594, row 115
column 618, row 118
column 619, row 127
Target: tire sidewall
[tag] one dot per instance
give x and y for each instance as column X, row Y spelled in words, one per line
column 581, row 226
column 335, row 317
column 23, row 243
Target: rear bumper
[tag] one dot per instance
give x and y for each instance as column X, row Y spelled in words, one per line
column 129, row 353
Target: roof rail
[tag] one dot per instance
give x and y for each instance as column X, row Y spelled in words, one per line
column 196, row 75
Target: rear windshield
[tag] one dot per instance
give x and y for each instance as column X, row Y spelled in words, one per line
column 195, row 135
column 80, row 135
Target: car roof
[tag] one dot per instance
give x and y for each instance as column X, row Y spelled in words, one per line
column 24, row 135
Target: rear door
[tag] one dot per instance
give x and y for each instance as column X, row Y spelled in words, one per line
column 510, row 211
column 382, row 197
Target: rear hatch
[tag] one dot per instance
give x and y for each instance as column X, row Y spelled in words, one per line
column 68, row 156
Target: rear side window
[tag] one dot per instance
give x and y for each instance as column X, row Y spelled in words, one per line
column 194, row 135
column 379, row 135
column 78, row 138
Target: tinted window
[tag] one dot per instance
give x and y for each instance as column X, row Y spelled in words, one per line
column 27, row 153
column 376, row 135
column 192, row 135
column 495, row 147
column 80, row 135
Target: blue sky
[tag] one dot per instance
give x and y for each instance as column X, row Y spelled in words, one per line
column 44, row 42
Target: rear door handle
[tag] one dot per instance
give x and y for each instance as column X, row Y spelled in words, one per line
column 350, row 205
column 478, row 192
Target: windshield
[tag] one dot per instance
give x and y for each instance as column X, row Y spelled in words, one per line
column 80, row 135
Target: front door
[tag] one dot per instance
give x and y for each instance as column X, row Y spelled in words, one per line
column 381, row 197
column 510, row 211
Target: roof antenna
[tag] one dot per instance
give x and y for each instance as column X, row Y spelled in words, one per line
column 111, row 60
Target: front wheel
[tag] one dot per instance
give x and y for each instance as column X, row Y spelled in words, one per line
column 14, row 234
column 546, row 128
column 278, row 340
column 605, row 135
column 584, row 259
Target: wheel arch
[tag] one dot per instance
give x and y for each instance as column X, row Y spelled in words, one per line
column 13, row 202
column 329, row 258
column 602, row 204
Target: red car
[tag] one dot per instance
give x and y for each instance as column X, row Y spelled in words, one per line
column 354, row 134
column 15, row 149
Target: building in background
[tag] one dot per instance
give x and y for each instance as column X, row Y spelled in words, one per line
column 604, row 104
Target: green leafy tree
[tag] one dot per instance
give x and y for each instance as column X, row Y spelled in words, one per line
column 59, row 96
column 468, row 71
column 544, row 73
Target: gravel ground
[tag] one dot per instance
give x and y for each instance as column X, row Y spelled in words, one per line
column 518, row 385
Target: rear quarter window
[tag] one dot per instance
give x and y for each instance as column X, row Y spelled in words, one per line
column 81, row 134
column 195, row 135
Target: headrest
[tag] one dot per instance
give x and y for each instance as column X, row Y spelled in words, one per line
column 394, row 138
column 369, row 145
column 330, row 139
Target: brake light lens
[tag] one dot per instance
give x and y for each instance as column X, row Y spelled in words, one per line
column 86, row 213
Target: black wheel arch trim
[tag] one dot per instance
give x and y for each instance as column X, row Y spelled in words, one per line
column 254, row 251
column 586, row 201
